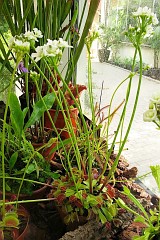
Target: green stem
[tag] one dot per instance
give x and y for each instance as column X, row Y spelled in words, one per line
column 28, row 201
column 27, row 180
column 113, row 168
column 26, row 86
column 3, row 137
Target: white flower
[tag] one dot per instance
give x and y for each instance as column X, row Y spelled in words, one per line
column 143, row 11
column 62, row 43
column 40, row 53
column 51, row 50
column 29, row 35
column 37, row 33
column 148, row 13
column 19, row 45
column 149, row 31
column 33, row 35
column 54, row 43
column 156, row 98
column 150, row 115
column 154, row 19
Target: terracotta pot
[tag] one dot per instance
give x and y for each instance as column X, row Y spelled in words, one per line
column 46, row 152
column 17, row 234
column 59, row 121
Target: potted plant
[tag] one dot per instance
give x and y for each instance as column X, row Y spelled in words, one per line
column 14, row 224
column 108, row 36
column 77, row 204
column 57, row 115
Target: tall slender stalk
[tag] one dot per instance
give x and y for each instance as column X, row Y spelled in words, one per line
column 113, row 168
column 3, row 136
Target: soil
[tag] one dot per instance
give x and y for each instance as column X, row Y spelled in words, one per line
column 153, row 73
column 46, row 224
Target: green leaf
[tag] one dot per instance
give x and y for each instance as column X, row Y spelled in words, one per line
column 140, row 238
column 13, row 160
column 122, row 204
column 91, row 199
column 39, row 108
column 11, row 220
column 126, row 190
column 53, row 175
column 140, row 219
column 8, row 188
column 156, row 174
column 113, row 210
column 69, row 192
column 102, row 217
column 37, row 169
column 31, row 168
column 107, row 214
column 25, row 110
column 136, row 202
column 17, row 116
column 154, row 219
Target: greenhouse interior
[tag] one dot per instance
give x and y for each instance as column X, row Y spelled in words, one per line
column 80, row 119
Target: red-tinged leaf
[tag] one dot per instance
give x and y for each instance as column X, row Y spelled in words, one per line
column 60, row 198
column 64, row 178
column 78, row 203
column 63, row 188
column 105, row 197
column 11, row 220
column 76, row 90
column 110, row 191
column 99, row 200
column 108, row 225
column 72, row 199
column 84, row 195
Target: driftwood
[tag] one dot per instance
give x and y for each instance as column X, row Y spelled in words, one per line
column 94, row 230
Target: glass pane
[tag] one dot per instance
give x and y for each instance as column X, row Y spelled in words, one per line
column 114, row 17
